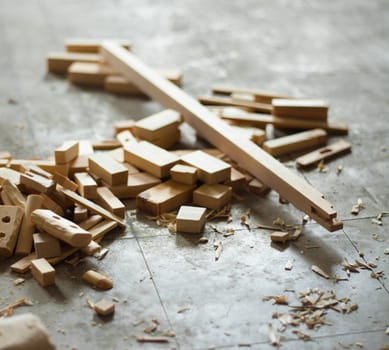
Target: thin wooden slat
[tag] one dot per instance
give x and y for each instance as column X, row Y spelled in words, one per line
column 227, row 101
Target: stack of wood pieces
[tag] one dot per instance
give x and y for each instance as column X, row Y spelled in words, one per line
column 84, row 66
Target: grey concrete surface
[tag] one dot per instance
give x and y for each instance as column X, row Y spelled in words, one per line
column 337, row 50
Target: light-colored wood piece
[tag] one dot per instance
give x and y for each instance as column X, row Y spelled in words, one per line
column 123, row 125
column 168, row 141
column 10, row 219
column 87, row 186
column 212, row 196
column 97, row 280
column 211, row 170
column 35, row 169
column 190, row 219
column 65, row 182
column 104, row 307
column 164, row 197
column 116, row 84
column 108, row 169
column 89, row 73
column 78, row 165
column 184, row 173
column 91, row 45
column 256, row 135
column 46, row 246
column 10, row 175
column 136, row 183
column 59, row 62
column 61, row 228
column 228, row 101
column 324, row 153
column 296, row 142
column 251, row 158
column 300, row 108
column 258, row 187
column 66, row 152
column 85, row 147
column 36, row 183
column 91, row 221
column 80, row 214
column 23, row 265
column 93, row 207
column 27, row 228
column 5, row 155
column 4, row 162
column 101, row 229
column 237, row 180
column 43, row 272
column 12, row 193
column 49, row 203
column 110, row 202
column 126, row 137
column 279, row 236
column 105, row 145
column 92, row 248
column 150, row 158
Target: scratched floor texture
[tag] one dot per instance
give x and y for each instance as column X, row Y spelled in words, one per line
column 336, row 50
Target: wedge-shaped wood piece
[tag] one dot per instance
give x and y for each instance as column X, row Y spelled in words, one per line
column 212, row 196
column 61, row 228
column 43, row 272
column 185, row 174
column 148, row 157
column 108, row 169
column 228, row 101
column 299, row 108
column 59, row 62
column 97, row 280
column 211, row 170
column 87, row 186
column 110, row 202
column 164, row 197
column 248, row 155
column 23, row 265
column 136, row 183
column 65, row 182
column 10, row 220
column 36, row 183
column 66, row 152
column 324, row 153
column 27, row 228
column 88, row 73
column 296, row 142
column 91, row 45
column 46, row 246
column 256, row 135
column 158, row 125
column 104, row 307
column 191, row 219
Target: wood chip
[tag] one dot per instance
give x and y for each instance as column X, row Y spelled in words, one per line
column 302, row 335
column 320, row 272
column 274, row 338
column 142, row 339
column 289, row 265
column 202, row 240
column 218, row 246
column 18, row 281
column 8, row 310
column 357, row 207
column 352, row 308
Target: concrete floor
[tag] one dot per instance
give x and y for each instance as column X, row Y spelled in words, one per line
column 338, row 50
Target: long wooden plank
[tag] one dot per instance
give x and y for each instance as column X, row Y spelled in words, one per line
column 248, row 155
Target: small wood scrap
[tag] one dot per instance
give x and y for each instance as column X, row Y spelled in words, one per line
column 339, row 169
column 9, row 310
column 97, row 280
column 277, row 299
column 18, row 281
column 321, row 167
column 190, row 219
column 218, row 246
column 274, row 337
column 301, row 335
column 43, row 272
column 142, row 339
column 289, row 265
column 104, row 307
column 357, row 207
column 320, row 272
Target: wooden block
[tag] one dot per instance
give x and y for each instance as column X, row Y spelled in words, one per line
column 49, row 203
column 237, row 180
column 80, row 214
column 110, row 202
column 228, row 101
column 59, row 62
column 91, row 221
column 158, row 125
column 125, row 138
column 65, row 182
column 184, row 173
column 168, row 141
column 116, row 84
column 61, row 228
column 46, row 246
column 23, row 265
column 104, row 307
column 256, row 135
column 88, row 74
column 97, row 280
column 111, row 171
column 78, row 165
column 66, row 152
column 10, row 220
column 27, row 228
column 117, row 154
column 212, row 196
column 10, row 175
column 91, row 45
column 150, row 158
column 87, row 186
column 298, row 108
column 279, row 236
column 98, row 231
column 85, row 147
column 43, row 272
column 35, row 169
column 53, row 168
column 36, row 183
column 12, row 193
column 296, row 142
column 173, row 75
column 105, row 145
column 191, row 219
column 164, row 197
column 211, row 170
column 258, row 187
column 136, row 183
column 324, row 153
column 123, row 125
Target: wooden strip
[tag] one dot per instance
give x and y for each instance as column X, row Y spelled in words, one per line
column 65, row 182
column 227, row 101
column 110, row 202
column 91, row 45
column 300, row 109
column 98, row 231
column 88, row 73
column 59, row 62
column 324, row 153
column 108, row 169
column 256, row 161
column 23, row 265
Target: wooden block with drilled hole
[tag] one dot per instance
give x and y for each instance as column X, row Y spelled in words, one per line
column 136, row 183
column 164, row 197
column 237, row 180
column 158, row 125
column 185, row 174
column 65, row 182
column 257, row 187
column 43, row 272
column 88, row 73
column 97, row 280
column 104, row 307
column 191, row 219
column 212, row 196
column 123, row 125
column 258, row 136
column 296, row 142
column 80, row 214
column 59, row 62
column 46, row 246
column 324, row 153
column 66, row 152
column 23, row 265
column 108, row 169
column 211, row 170
column 91, row 45
column 150, row 158
column 61, row 228
column 36, row 183
column 87, row 186
column 300, row 108
column 110, row 202
column 10, row 220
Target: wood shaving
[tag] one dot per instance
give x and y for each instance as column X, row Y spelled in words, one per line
column 185, row 309
column 202, row 240
column 377, row 275
column 151, row 328
column 357, row 207
column 218, row 246
column 216, row 229
column 274, row 338
column 18, row 281
column 321, row 167
column 89, row 303
column 320, row 272
column 169, row 333
column 277, row 299
column 305, row 220
column 223, row 213
column 9, row 310
column 302, row 335
column 376, row 221
column 172, row 227
column 229, row 232
column 352, row 308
